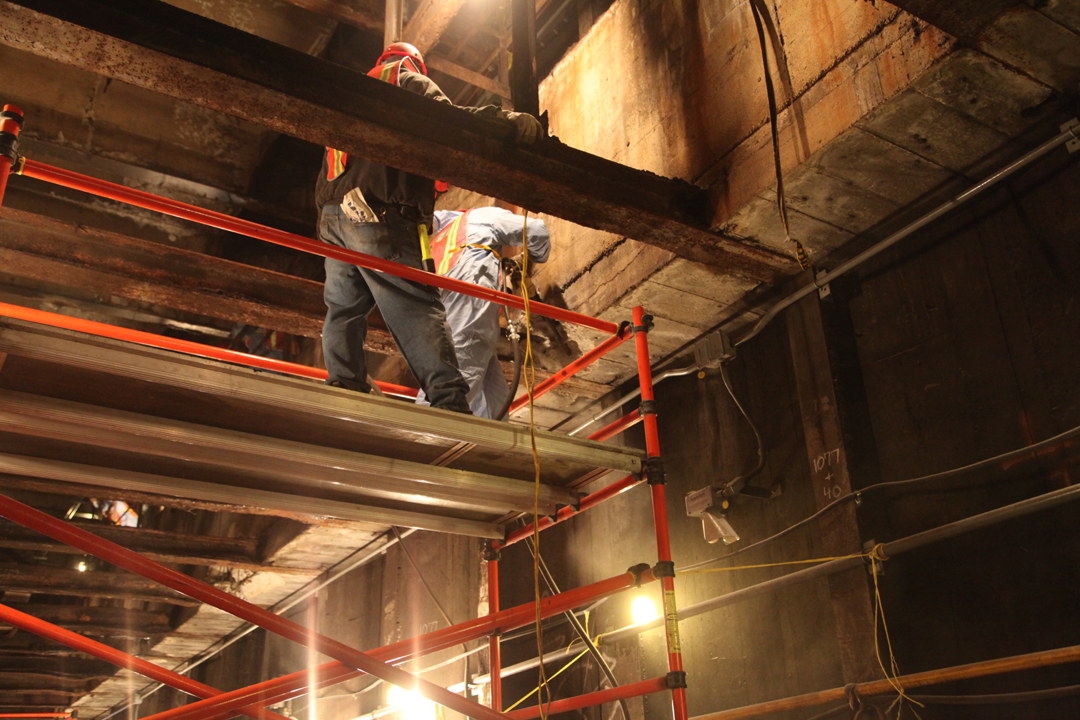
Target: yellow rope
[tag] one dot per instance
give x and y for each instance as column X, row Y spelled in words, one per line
column 530, row 381
column 560, row 671
column 877, row 555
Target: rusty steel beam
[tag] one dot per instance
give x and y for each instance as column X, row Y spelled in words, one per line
column 964, row 19
column 45, row 580
column 428, row 23
column 167, row 50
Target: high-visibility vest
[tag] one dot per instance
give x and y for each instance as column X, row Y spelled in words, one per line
column 448, row 243
column 388, row 72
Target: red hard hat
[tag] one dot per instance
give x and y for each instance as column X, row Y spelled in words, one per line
column 402, row 49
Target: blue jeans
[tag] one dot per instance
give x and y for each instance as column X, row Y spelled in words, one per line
column 413, row 312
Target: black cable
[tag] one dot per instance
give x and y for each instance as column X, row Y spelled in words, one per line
column 944, row 475
column 758, row 8
column 757, row 436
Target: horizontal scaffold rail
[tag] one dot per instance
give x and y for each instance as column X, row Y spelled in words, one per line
column 149, row 201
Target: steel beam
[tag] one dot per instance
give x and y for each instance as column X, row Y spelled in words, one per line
column 243, row 497
column 167, row 50
column 306, row 467
column 524, row 83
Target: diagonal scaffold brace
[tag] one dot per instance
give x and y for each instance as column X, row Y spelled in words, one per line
column 121, row 557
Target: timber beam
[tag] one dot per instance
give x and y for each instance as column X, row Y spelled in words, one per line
column 111, row 622
column 167, row 547
column 168, row 50
column 428, row 23
column 43, row 580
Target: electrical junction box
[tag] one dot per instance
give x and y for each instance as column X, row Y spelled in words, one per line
column 713, row 349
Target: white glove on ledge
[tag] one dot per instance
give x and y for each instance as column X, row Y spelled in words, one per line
column 527, row 128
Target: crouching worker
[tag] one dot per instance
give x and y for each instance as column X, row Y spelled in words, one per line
column 385, row 212
column 467, row 246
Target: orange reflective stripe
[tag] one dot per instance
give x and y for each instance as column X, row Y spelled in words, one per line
column 335, row 163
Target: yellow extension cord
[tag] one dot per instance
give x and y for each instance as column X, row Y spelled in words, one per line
column 530, row 381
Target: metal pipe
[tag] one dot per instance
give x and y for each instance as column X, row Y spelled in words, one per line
column 621, row 336
column 1015, row 663
column 654, row 472
column 616, row 488
column 113, row 332
column 112, row 191
column 338, row 571
column 826, row 278
column 298, row 683
column 121, row 557
column 624, row 423
column 619, row 692
column 122, row 659
column 630, row 396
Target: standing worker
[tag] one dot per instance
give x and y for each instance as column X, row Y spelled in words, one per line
column 385, row 212
column 467, row 246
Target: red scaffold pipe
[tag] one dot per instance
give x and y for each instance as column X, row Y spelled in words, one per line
column 35, row 715
column 591, row 500
column 660, row 519
column 299, row 683
column 75, row 641
column 621, row 336
column 494, row 646
column 10, row 124
column 112, row 191
column 624, row 423
column 113, row 332
column 122, row 557
column 622, row 692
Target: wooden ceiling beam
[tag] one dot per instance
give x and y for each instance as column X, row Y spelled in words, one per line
column 166, row 547
column 43, row 580
column 168, row 50
column 429, row 22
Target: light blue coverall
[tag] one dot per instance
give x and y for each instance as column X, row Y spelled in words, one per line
column 474, row 323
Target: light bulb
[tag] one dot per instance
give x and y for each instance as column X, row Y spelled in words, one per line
column 643, row 610
column 82, row 567
column 410, row 703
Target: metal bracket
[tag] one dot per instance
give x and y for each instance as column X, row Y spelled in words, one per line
column 636, row 571
column 490, row 554
column 647, row 407
column 1073, row 126
column 676, row 679
column 825, row 290
column 663, row 568
column 654, row 471
column 645, row 326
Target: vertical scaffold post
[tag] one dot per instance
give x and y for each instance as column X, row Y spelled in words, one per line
column 654, row 473
column 11, row 120
column 494, row 649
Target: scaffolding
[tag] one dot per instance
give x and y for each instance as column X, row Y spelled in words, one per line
column 382, row 662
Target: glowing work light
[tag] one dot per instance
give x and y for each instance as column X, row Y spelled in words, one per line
column 643, row 610
column 411, row 704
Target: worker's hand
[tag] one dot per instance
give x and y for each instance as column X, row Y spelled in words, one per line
column 527, row 129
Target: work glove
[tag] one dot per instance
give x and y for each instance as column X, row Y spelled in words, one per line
column 527, row 129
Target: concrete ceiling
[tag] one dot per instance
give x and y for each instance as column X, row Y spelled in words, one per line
column 886, row 110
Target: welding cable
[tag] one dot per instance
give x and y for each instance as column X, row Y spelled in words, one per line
column 912, row 482
column 581, row 631
column 508, row 287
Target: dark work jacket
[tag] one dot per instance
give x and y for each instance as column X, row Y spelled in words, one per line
column 386, row 185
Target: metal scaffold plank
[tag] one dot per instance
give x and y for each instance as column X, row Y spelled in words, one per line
column 369, row 424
